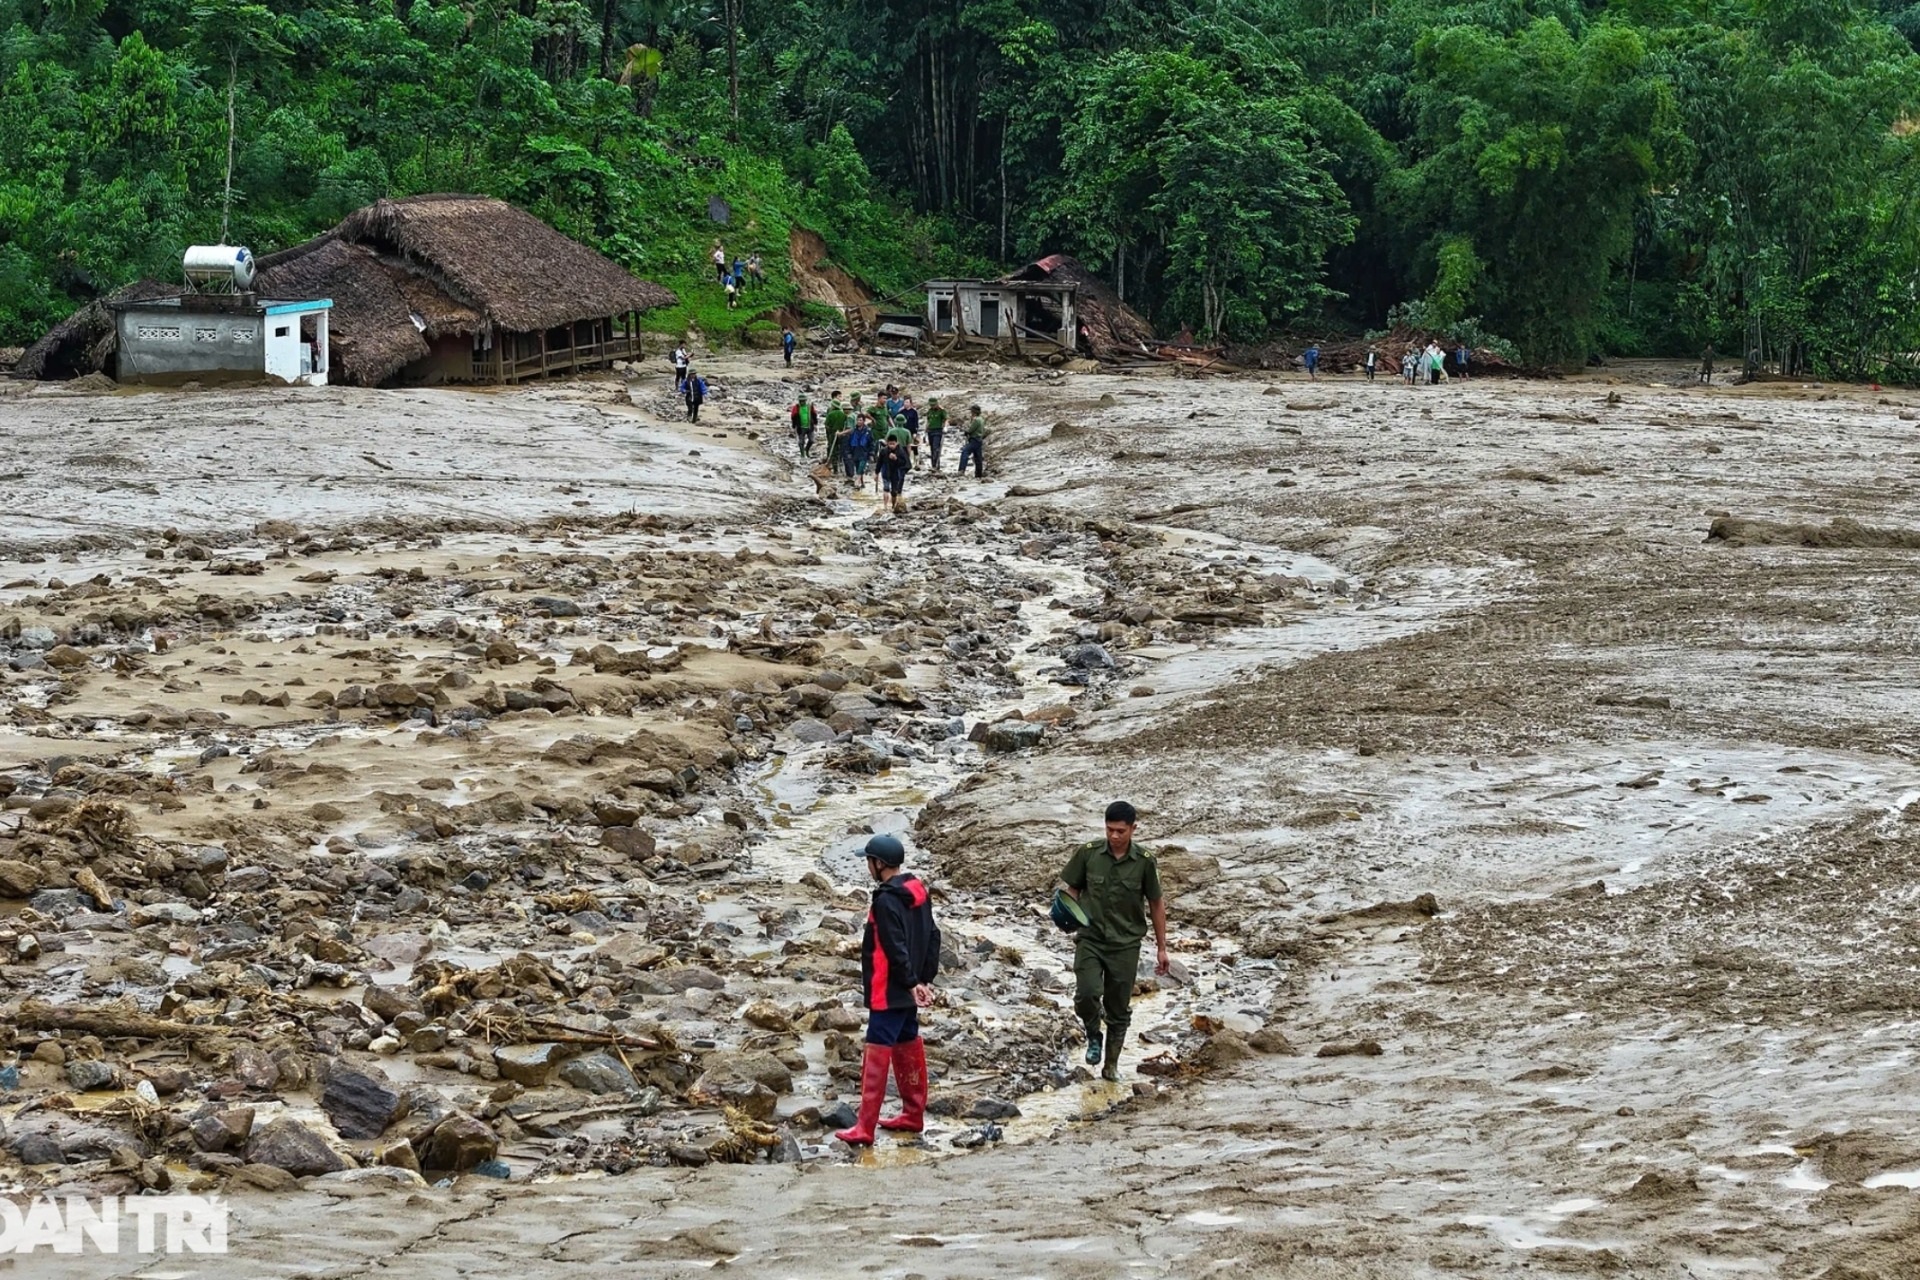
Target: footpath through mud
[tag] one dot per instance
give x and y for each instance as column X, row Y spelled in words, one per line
column 407, row 789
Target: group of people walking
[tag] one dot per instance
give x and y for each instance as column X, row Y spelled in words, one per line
column 735, row 274
column 889, row 437
column 1426, row 364
column 1115, row 887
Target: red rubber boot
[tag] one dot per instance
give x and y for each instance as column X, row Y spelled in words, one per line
column 873, row 1091
column 910, row 1074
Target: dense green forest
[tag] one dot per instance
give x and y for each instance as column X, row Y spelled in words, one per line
column 1575, row 176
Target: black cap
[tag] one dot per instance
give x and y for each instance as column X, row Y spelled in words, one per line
column 887, row 850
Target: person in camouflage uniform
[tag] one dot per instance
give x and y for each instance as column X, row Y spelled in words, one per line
column 1117, row 883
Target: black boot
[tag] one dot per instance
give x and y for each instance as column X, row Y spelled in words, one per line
column 1110, row 1065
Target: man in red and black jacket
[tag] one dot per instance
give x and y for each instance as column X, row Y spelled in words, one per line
column 899, row 956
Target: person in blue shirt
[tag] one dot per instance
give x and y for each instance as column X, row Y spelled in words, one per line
column 1460, row 360
column 696, row 395
column 786, row 345
column 859, row 450
column 1312, row 360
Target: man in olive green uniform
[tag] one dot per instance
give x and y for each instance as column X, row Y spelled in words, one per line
column 1117, row 883
column 836, row 427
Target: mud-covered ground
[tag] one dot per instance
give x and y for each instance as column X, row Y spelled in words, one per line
column 403, row 780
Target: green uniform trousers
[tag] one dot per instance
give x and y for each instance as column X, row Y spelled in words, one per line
column 1103, row 978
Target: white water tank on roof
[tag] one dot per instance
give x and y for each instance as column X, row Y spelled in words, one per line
column 219, row 267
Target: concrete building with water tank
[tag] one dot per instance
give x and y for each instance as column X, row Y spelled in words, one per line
column 219, row 329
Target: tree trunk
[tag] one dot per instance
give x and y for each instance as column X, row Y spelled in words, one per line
column 733, row 66
column 606, row 38
column 1004, row 118
column 226, row 198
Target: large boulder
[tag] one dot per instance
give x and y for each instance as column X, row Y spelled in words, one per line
column 287, row 1144
column 456, row 1144
column 528, row 1064
column 360, row 1101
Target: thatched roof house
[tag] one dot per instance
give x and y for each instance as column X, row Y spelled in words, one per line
column 84, row 341
column 438, row 288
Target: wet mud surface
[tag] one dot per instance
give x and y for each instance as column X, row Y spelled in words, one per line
column 482, row 777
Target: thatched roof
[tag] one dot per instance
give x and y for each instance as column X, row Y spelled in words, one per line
column 457, row 263
column 1113, row 328
column 370, row 336
column 520, row 272
column 82, row 342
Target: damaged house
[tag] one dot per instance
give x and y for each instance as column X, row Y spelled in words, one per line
column 1052, row 305
column 427, row 289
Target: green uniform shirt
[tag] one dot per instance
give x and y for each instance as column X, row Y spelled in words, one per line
column 1114, row 891
column 977, row 429
column 904, row 436
column 936, row 421
column 836, row 418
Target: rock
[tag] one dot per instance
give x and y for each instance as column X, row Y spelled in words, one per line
column 38, row 1148
column 809, row 730
column 221, row 1130
column 687, row 977
column 388, row 1003
column 164, row 913
column 58, row 903
column 615, row 813
column 261, row 1177
column 493, row 1169
column 1348, row 1049
column 1177, row 974
column 1090, row 657
column 747, row 1096
column 64, row 657
column 254, row 1069
column 768, row 1016
column 527, row 1064
column 360, row 1101
column 750, row 1065
column 168, row 1081
column 992, row 1109
column 1270, row 1040
column 287, row 1144
column 598, row 1072
column 556, row 606
column 838, row 1116
column 1012, row 735
column 400, row 1156
column 631, row 949
column 248, row 880
column 456, row 1144
column 691, row 1156
column 88, row 1075
column 630, row 843
column 17, row 879
column 403, row 946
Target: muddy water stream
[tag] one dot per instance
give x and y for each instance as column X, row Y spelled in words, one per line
column 818, row 823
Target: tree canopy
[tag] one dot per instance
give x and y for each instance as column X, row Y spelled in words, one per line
column 1580, row 177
